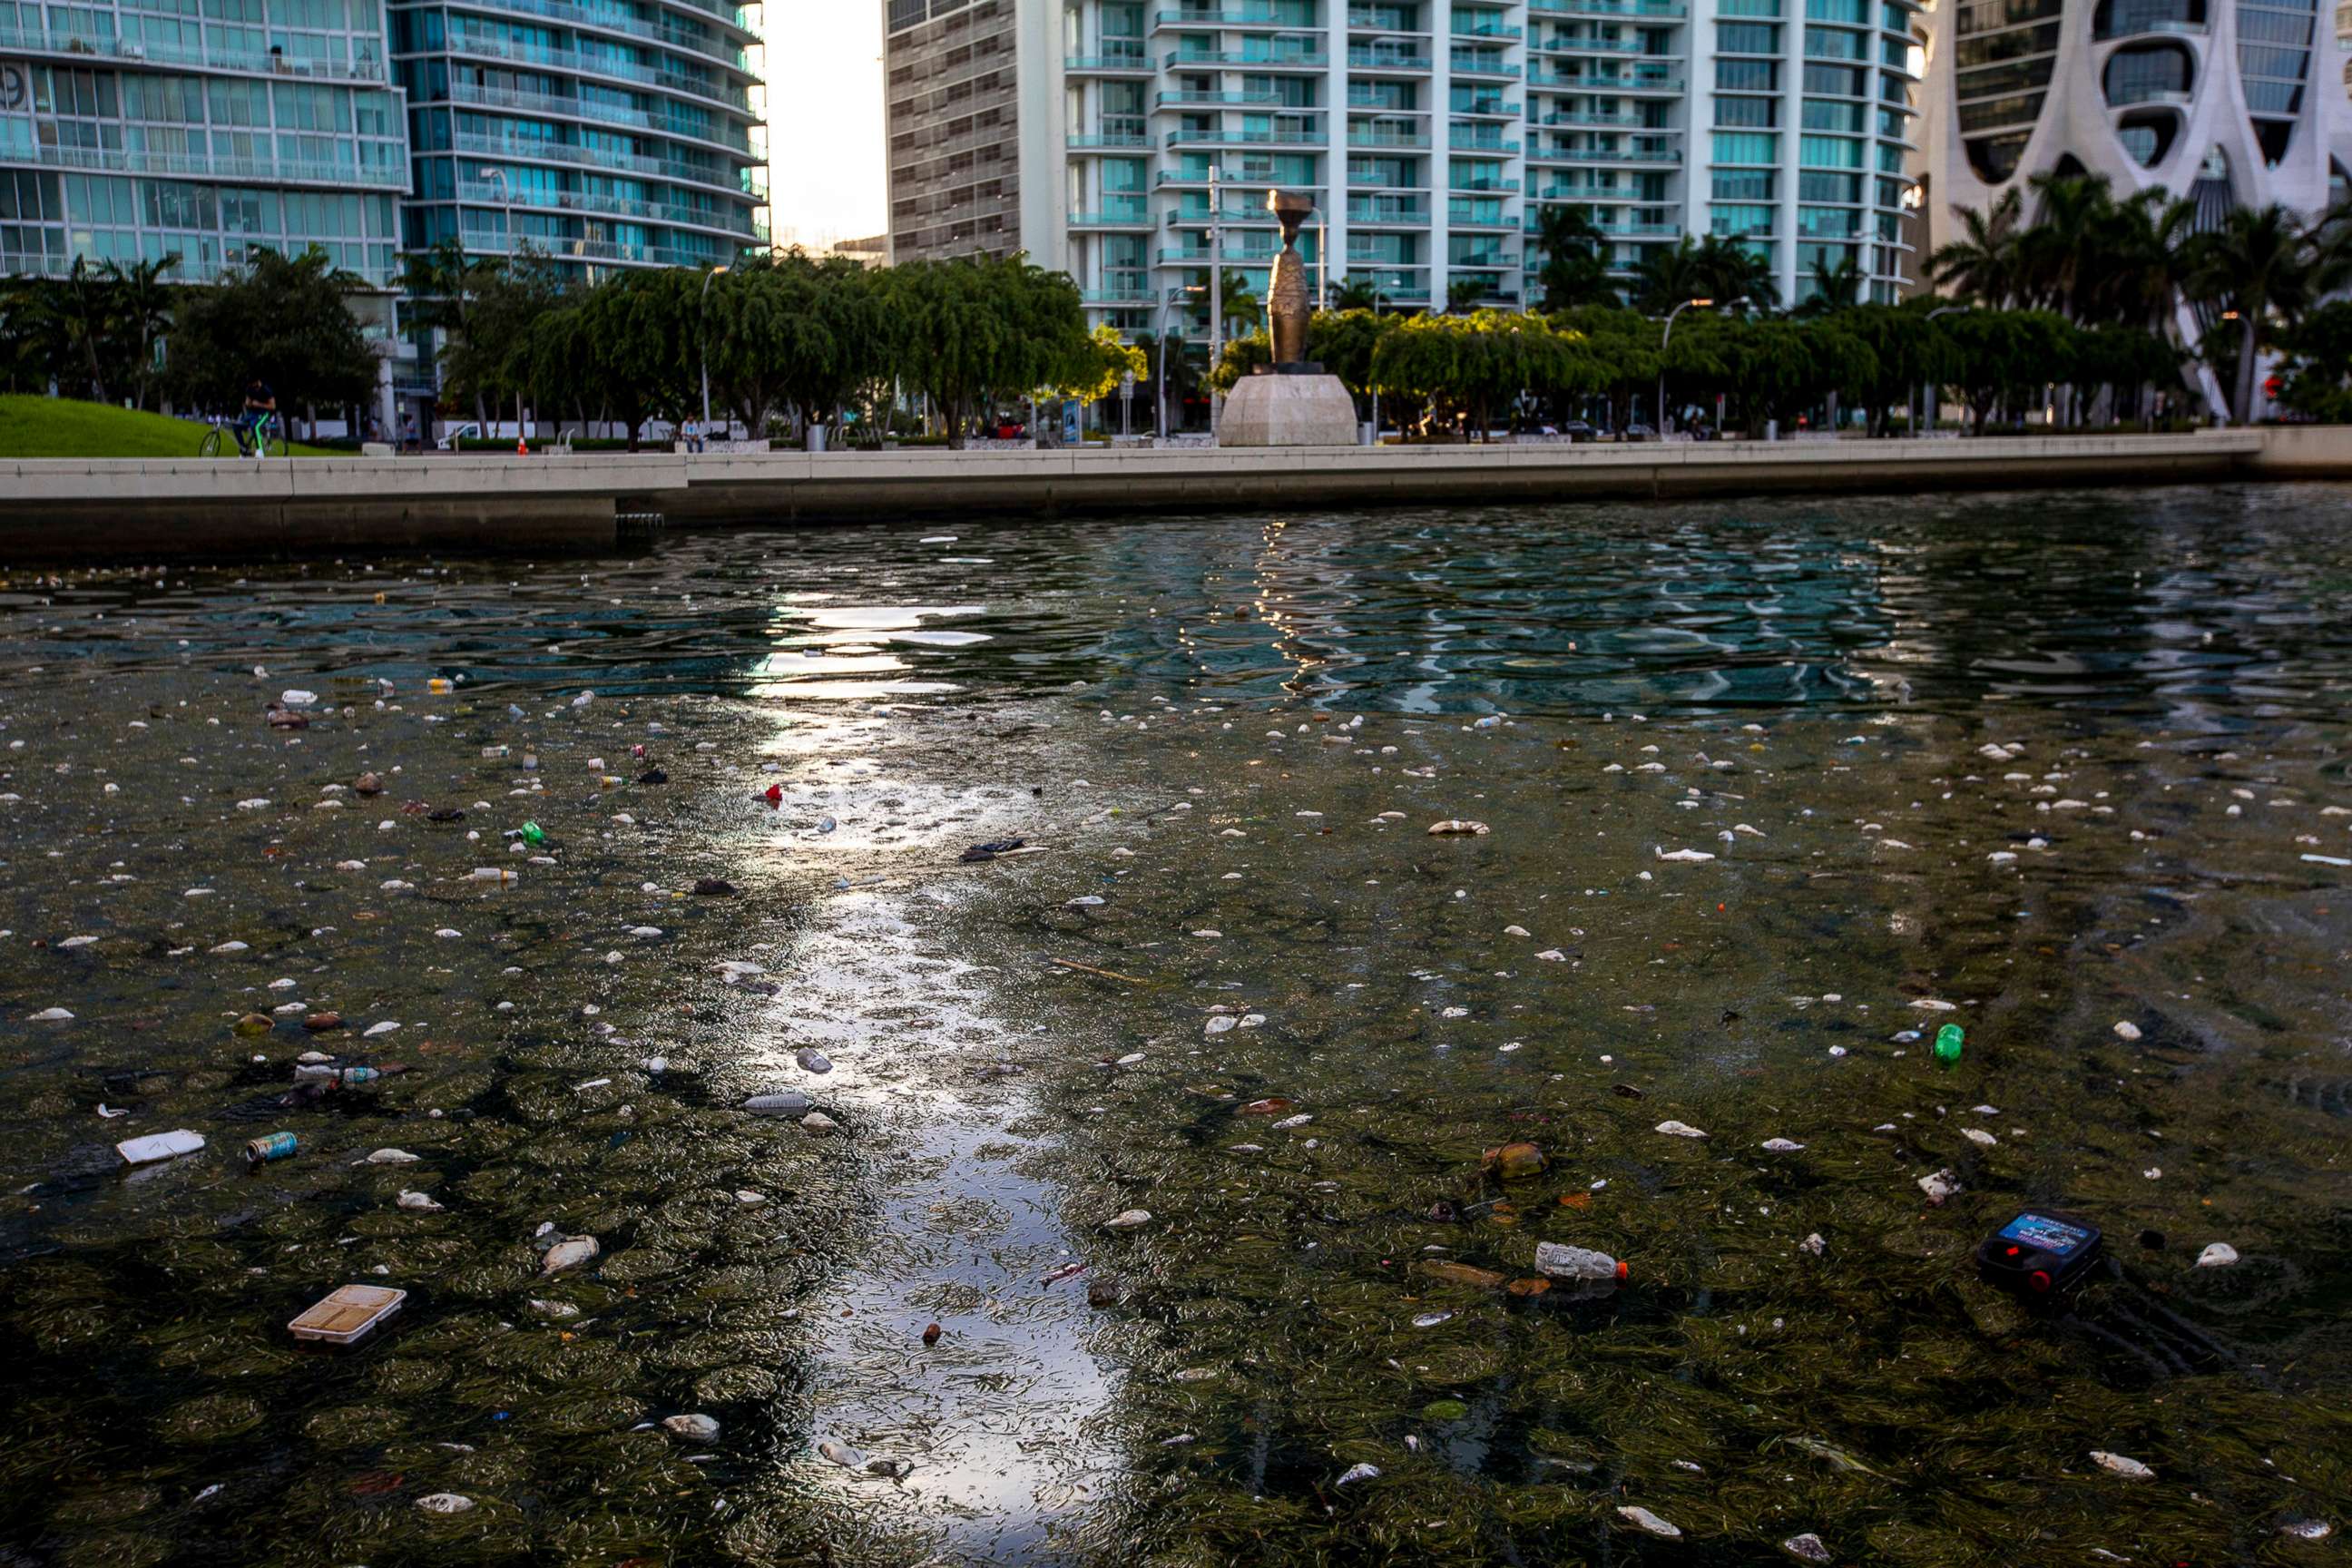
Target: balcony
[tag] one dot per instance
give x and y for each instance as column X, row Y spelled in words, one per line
column 198, row 166
column 1565, row 44
column 1492, row 145
column 1249, row 99
column 1465, row 215
column 1118, row 64
column 546, row 103
column 1115, row 215
column 1493, row 30
column 1386, row 61
column 1117, row 294
column 1358, row 137
column 1107, row 140
column 1643, row 157
column 516, row 149
column 1379, row 19
column 1252, row 60
column 1165, row 21
column 1639, row 10
column 486, row 45
column 258, row 62
column 1630, row 82
column 1378, row 213
column 1485, row 261
column 1486, row 109
column 1599, row 122
column 1477, row 187
column 1470, row 63
column 1201, row 256
column 737, row 224
column 627, row 24
column 1282, row 136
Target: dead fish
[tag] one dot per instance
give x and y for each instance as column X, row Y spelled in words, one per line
column 1458, row 825
column 2130, row 1468
column 1689, row 857
column 1128, row 1219
column 841, row 1453
column 1806, row 1548
column 1679, row 1129
column 1643, row 1519
column 1355, row 1473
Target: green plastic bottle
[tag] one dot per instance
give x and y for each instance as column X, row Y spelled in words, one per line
column 1948, row 1045
column 534, row 834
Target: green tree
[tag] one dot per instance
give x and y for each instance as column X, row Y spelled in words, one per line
column 1834, row 288
column 1982, row 265
column 283, row 318
column 1574, row 270
column 2007, row 354
column 487, row 357
column 970, row 332
column 2319, row 364
column 1354, row 293
column 2259, row 263
column 142, row 316
column 634, row 327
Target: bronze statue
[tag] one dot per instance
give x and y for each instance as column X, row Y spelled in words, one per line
column 1288, row 303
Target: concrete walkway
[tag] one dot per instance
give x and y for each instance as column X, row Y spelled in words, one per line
column 133, row 509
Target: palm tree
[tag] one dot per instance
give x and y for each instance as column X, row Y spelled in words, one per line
column 2141, row 247
column 1574, row 272
column 1354, row 293
column 1666, row 277
column 1464, row 295
column 2054, row 253
column 87, row 313
column 1729, row 269
column 1982, row 265
column 1835, row 288
column 142, row 313
column 2259, row 261
column 1238, row 299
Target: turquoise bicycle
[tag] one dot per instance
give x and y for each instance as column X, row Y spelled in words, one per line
column 253, row 440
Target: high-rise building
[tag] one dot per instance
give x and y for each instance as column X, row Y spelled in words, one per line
column 2229, row 104
column 600, row 133
column 131, row 129
column 1431, row 133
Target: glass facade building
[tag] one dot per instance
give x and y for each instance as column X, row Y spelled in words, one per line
column 135, row 130
column 601, row 132
column 1432, row 134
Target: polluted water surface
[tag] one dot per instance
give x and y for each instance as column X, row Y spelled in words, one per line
column 1480, row 1036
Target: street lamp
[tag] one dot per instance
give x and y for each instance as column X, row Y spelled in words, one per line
column 702, row 316
column 1927, row 388
column 506, row 200
column 1159, row 381
column 1668, row 337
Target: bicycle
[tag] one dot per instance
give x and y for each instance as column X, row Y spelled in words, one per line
column 252, row 441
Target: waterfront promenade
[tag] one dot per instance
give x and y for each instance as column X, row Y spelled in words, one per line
column 78, row 508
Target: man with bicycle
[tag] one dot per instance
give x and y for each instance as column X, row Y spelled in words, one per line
column 261, row 410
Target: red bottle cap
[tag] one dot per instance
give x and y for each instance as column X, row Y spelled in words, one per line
column 2039, row 1280
column 776, row 795
column 1621, row 1271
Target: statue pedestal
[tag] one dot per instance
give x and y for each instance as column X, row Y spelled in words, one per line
column 1288, row 409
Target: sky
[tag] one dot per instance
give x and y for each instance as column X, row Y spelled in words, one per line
column 824, row 119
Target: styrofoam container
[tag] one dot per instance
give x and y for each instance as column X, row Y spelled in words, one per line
column 159, row 1146
column 348, row 1315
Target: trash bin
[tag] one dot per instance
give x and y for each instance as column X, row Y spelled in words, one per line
column 816, row 438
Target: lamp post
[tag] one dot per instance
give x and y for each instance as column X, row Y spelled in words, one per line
column 1927, row 388
column 1159, row 381
column 506, row 201
column 1216, row 288
column 1668, row 337
column 702, row 316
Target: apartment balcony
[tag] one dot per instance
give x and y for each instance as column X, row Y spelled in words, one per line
column 1638, row 10
column 1282, row 137
column 1494, row 109
column 465, row 42
column 522, row 150
column 1640, row 83
column 1117, row 64
column 1614, row 47
column 1472, row 65
column 627, row 24
column 1491, row 145
column 203, row 166
column 1240, row 99
column 1487, row 187
column 1591, row 196
column 1603, row 122
column 1128, row 216
column 1231, row 16
column 736, row 224
column 1375, row 212
column 111, row 47
column 1249, row 59
column 1119, row 294
column 1201, row 256
column 1485, row 261
column 1392, row 61
column 1462, row 214
column 1405, row 140
column 1640, row 231
column 1369, row 100
column 590, row 109
column 1382, row 19
column 1643, row 157
column 1106, row 141
column 1495, row 31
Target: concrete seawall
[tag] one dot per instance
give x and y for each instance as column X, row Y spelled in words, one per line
column 60, row 510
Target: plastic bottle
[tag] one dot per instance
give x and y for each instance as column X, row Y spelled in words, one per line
column 276, row 1146
column 498, row 874
column 1577, row 1263
column 1948, row 1045
column 437, row 686
column 354, row 1076
column 534, row 834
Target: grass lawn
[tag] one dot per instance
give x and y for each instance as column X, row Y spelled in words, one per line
column 65, row 428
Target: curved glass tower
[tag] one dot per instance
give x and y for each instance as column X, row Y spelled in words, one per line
column 602, row 132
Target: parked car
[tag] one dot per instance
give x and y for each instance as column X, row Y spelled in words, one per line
column 1577, row 430
column 469, row 431
column 1637, row 431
